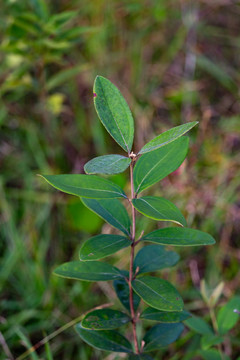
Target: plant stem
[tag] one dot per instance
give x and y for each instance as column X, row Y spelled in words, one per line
column 133, row 237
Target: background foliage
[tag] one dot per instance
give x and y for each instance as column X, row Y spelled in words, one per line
column 174, row 61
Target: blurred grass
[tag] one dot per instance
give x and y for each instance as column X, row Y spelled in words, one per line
column 174, row 61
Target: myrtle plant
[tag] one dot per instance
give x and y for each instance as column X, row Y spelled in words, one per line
column 156, row 160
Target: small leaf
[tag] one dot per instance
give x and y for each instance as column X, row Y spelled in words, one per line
column 104, row 319
column 199, row 325
column 179, row 237
column 102, row 245
column 156, row 165
column 158, row 293
column 114, row 112
column 65, row 75
column 154, row 257
column 162, row 335
column 122, row 290
column 89, row 186
column 217, row 292
column 111, row 211
column 108, row 340
column 107, row 164
column 167, row 137
column 88, row 271
column 158, row 208
column 210, row 340
column 164, row 316
column 226, row 317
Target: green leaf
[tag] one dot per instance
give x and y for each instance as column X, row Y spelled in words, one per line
column 167, row 137
column 199, row 325
column 89, row 186
column 179, row 237
column 158, row 208
column 109, row 340
column 162, row 335
column 158, row 293
column 102, row 245
column 65, row 75
column 212, row 354
column 107, row 164
column 104, row 319
column 140, row 357
column 210, row 340
column 122, row 290
column 164, row 316
column 111, row 211
column 226, row 317
column 156, row 165
column 114, row 112
column 88, row 271
column 154, row 257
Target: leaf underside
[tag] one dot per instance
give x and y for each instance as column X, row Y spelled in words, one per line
column 89, row 186
column 104, row 319
column 107, row 164
column 88, row 271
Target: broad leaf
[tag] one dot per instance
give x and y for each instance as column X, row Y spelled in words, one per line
column 199, row 325
column 164, row 316
column 158, row 293
column 158, row 208
column 109, row 340
column 122, row 290
column 111, row 211
column 114, row 112
column 179, row 237
column 102, row 245
column 156, row 165
column 108, row 164
column 140, row 357
column 167, row 137
column 162, row 335
column 226, row 317
column 89, row 186
column 88, row 271
column 104, row 319
column 208, row 341
column 212, row 354
column 154, row 257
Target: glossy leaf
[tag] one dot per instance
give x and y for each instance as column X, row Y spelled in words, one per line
column 158, row 293
column 154, row 257
column 167, row 137
column 156, row 165
column 122, row 290
column 88, row 271
column 107, row 164
column 111, row 211
column 162, row 335
column 104, row 319
column 179, row 237
column 226, row 317
column 158, row 208
column 89, row 186
column 114, row 112
column 164, row 316
column 102, row 245
column 199, row 325
column 109, row 340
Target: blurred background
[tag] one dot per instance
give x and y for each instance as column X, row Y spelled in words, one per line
column 174, row 61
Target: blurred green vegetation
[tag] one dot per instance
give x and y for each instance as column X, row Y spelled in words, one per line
column 174, row 61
